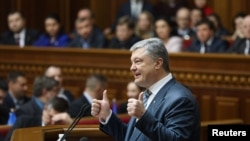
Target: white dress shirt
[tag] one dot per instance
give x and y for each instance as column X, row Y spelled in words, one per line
column 209, row 43
column 21, row 37
column 136, row 7
column 246, row 51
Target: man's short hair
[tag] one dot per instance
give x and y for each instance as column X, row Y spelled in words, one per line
column 17, row 12
column 58, row 104
column 95, row 80
column 128, row 21
column 155, row 48
column 12, row 76
column 43, row 82
column 207, row 22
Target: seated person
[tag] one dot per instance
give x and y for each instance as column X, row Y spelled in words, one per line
column 238, row 26
column 18, row 33
column 183, row 24
column 166, row 31
column 87, row 35
column 196, row 15
column 124, row 34
column 17, row 89
column 203, row 5
column 44, row 89
column 133, row 91
column 144, row 27
column 242, row 45
column 95, row 85
column 54, row 114
column 56, row 73
column 54, row 35
column 206, row 41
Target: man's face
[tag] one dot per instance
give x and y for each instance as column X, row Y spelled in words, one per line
column 51, row 93
column 15, row 22
column 183, row 19
column 19, row 87
column 204, row 33
column 246, row 27
column 84, row 28
column 200, row 3
column 56, row 74
column 123, row 33
column 143, row 68
column 196, row 16
column 84, row 14
column 2, row 96
column 52, row 27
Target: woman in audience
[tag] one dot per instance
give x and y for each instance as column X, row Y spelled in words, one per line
column 54, row 35
column 165, row 30
column 238, row 25
column 220, row 31
column 133, row 91
column 145, row 25
column 196, row 15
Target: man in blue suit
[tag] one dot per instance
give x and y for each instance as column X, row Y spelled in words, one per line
column 206, row 41
column 170, row 112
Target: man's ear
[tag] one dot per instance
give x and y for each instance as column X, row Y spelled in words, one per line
column 158, row 63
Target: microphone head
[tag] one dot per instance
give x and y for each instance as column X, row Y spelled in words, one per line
column 84, row 139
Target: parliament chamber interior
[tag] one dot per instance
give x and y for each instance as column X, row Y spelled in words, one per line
column 86, row 43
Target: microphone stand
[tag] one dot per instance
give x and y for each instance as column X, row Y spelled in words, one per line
column 76, row 120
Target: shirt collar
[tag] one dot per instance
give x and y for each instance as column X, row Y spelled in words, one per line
column 13, row 97
column 210, row 41
column 39, row 103
column 88, row 97
column 155, row 88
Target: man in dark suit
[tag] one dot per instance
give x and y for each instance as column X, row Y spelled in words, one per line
column 56, row 73
column 44, row 89
column 124, row 37
column 166, row 110
column 95, row 84
column 18, row 34
column 242, row 45
column 131, row 8
column 206, row 41
column 87, row 36
column 17, row 88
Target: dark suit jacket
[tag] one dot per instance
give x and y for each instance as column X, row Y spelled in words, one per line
column 116, row 44
column 23, row 122
column 217, row 46
column 238, row 46
column 76, row 105
column 9, row 103
column 4, row 115
column 96, row 40
column 29, row 109
column 173, row 115
column 30, row 37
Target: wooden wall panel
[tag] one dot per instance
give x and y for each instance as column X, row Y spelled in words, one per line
column 227, row 108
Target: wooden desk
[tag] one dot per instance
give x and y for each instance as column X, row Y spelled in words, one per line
column 220, row 82
column 50, row 133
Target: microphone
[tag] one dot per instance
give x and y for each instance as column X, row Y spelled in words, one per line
column 84, row 139
column 76, row 120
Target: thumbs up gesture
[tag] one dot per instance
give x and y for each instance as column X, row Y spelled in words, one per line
column 135, row 107
column 101, row 108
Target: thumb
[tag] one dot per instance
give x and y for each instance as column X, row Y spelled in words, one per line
column 105, row 96
column 141, row 97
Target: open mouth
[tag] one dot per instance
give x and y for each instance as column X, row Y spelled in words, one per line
column 137, row 75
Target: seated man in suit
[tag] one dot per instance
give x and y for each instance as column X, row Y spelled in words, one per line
column 52, row 115
column 206, row 41
column 18, row 33
column 95, row 84
column 44, row 89
column 242, row 45
column 17, row 88
column 166, row 111
column 87, row 36
column 183, row 23
column 124, row 35
column 56, row 73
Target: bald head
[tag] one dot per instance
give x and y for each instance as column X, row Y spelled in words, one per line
column 246, row 26
column 183, row 18
column 85, row 14
column 54, row 72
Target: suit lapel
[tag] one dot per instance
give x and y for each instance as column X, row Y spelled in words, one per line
column 130, row 128
column 153, row 107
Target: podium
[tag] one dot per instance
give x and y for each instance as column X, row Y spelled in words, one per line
column 50, row 133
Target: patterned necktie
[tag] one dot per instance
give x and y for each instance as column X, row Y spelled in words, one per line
column 146, row 96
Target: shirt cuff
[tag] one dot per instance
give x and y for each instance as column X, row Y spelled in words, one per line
column 105, row 121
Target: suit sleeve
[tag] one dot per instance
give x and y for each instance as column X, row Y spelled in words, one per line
column 115, row 128
column 176, row 123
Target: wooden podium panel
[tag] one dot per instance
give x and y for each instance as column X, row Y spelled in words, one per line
column 50, row 133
